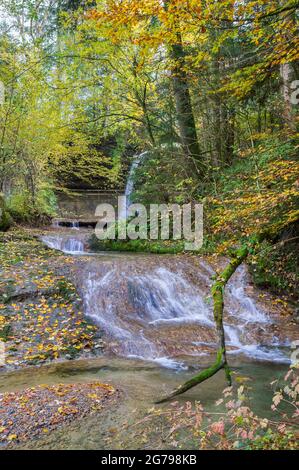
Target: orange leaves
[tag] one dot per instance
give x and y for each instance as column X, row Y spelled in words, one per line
column 44, row 327
column 67, row 410
column 149, row 24
column 263, row 198
column 38, row 410
column 147, row 21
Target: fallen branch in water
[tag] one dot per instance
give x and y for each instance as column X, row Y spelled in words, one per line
column 218, row 301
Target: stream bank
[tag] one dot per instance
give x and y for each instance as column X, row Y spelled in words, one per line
column 41, row 313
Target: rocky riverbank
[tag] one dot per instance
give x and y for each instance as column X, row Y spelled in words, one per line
column 41, row 317
column 42, row 321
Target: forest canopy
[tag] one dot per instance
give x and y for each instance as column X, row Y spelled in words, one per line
column 209, row 88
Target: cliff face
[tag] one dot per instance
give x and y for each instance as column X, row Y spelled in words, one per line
column 105, row 168
column 80, row 204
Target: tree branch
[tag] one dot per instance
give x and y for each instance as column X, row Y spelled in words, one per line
column 217, row 291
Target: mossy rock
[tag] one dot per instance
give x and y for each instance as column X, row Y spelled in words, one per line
column 5, row 218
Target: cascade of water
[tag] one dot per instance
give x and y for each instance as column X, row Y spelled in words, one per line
column 55, row 223
column 75, row 225
column 166, row 297
column 130, row 183
column 136, row 310
column 246, row 309
column 154, row 313
column 67, row 245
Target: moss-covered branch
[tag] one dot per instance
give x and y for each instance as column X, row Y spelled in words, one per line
column 218, row 305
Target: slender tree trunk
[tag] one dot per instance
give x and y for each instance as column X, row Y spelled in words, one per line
column 228, row 133
column 183, row 103
column 217, row 129
column 217, row 107
column 259, row 119
column 287, row 74
column 2, row 140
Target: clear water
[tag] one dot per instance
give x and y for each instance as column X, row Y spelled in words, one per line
column 136, row 302
column 136, row 308
column 141, row 383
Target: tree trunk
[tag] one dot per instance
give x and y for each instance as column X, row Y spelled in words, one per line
column 287, row 75
column 228, row 133
column 183, row 104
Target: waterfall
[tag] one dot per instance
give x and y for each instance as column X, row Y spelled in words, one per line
column 130, row 183
column 68, row 245
column 160, row 308
column 73, row 224
column 161, row 313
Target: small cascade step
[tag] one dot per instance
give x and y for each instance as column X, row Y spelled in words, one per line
column 75, row 224
column 68, row 245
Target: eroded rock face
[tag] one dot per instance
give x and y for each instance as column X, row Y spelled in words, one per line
column 5, row 219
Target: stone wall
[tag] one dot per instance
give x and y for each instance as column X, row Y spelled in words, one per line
column 82, row 204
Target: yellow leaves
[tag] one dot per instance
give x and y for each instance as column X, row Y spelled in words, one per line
column 107, row 387
column 12, row 437
column 46, row 328
column 131, row 20
column 277, row 399
column 265, row 197
column 3, row 321
column 67, row 410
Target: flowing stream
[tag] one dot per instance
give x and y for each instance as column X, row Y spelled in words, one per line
column 68, row 245
column 158, row 308
column 156, row 315
column 130, row 183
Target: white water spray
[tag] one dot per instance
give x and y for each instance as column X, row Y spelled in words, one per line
column 164, row 299
column 130, row 183
column 68, row 245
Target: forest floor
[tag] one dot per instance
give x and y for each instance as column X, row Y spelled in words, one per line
column 36, row 411
column 41, row 315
